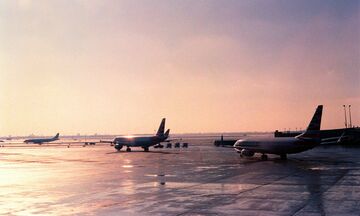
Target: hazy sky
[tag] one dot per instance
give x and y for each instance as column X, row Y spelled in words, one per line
column 118, row 67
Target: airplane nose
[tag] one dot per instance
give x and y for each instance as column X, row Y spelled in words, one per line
column 238, row 144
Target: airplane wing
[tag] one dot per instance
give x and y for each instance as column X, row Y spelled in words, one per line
column 106, row 141
column 335, row 140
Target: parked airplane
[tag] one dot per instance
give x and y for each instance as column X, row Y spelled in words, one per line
column 141, row 141
column 283, row 145
column 42, row 140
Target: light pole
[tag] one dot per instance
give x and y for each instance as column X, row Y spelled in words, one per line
column 350, row 116
column 345, row 116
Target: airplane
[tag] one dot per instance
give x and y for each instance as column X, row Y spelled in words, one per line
column 42, row 140
column 283, row 145
column 141, row 141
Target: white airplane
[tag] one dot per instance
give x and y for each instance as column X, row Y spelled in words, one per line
column 141, row 141
column 42, row 140
column 283, row 145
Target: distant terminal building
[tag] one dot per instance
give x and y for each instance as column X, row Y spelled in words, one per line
column 345, row 136
column 340, row 136
column 222, row 142
column 287, row 133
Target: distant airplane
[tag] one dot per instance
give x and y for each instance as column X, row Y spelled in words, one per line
column 141, row 141
column 42, row 140
column 283, row 145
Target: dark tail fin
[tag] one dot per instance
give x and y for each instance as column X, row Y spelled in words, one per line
column 313, row 130
column 56, row 136
column 166, row 135
column 161, row 129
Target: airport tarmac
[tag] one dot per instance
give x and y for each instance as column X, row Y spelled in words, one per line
column 199, row 180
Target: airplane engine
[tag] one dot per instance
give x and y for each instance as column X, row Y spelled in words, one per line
column 118, row 146
column 247, row 153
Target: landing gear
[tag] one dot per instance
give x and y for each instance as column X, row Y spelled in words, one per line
column 128, row 149
column 264, row 157
column 146, row 149
column 283, row 157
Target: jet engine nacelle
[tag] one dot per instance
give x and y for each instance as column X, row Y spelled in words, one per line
column 118, row 146
column 247, row 153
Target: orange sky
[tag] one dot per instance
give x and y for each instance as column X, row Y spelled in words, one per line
column 118, row 67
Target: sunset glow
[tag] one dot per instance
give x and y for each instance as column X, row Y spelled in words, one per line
column 118, row 67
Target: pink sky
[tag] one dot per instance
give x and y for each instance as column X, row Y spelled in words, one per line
column 118, row 67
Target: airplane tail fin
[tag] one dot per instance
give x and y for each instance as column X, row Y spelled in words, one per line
column 56, row 136
column 161, row 129
column 313, row 130
column 166, row 135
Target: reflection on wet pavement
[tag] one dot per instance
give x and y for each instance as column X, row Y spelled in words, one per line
column 200, row 180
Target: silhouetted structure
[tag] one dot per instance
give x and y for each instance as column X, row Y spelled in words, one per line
column 343, row 136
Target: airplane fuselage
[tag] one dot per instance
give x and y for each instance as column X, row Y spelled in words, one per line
column 145, row 141
column 39, row 141
column 278, row 145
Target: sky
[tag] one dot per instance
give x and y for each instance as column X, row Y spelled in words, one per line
column 118, row 67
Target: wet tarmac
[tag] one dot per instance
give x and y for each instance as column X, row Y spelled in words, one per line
column 199, row 180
